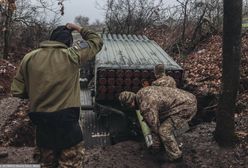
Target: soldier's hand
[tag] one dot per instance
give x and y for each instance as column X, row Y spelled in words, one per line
column 72, row 26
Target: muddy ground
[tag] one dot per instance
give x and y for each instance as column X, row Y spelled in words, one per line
column 199, row 148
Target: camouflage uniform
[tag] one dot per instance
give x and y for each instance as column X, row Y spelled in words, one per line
column 71, row 157
column 162, row 78
column 166, row 81
column 165, row 109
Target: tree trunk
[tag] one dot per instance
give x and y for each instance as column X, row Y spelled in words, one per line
column 198, row 27
column 224, row 133
column 1, row 44
column 6, row 34
column 184, row 20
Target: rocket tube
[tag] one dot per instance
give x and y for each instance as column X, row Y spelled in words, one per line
column 145, row 130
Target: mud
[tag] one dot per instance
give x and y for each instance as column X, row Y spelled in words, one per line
column 8, row 106
column 16, row 128
column 199, row 147
column 122, row 155
column 199, row 151
column 22, row 155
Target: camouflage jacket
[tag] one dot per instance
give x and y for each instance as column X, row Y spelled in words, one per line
column 49, row 75
column 157, row 103
column 166, row 81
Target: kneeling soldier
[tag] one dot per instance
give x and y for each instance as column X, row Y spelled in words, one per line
column 164, row 109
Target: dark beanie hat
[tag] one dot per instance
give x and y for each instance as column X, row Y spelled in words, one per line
column 63, row 35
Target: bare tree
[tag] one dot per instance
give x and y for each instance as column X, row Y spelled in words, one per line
column 82, row 20
column 208, row 17
column 131, row 16
column 7, row 9
column 194, row 20
column 97, row 26
column 230, row 77
column 184, row 6
column 22, row 15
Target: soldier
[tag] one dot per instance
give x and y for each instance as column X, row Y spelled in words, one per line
column 164, row 109
column 49, row 78
column 162, row 78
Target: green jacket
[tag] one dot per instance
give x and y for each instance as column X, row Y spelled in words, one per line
column 49, row 75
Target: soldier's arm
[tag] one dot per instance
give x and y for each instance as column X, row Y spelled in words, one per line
column 18, row 88
column 155, row 83
column 159, row 82
column 150, row 115
column 88, row 47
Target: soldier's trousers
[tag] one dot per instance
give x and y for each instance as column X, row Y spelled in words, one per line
column 68, row 158
column 167, row 128
column 167, row 136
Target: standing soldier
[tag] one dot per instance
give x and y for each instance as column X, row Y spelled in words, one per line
column 162, row 78
column 164, row 109
column 49, row 78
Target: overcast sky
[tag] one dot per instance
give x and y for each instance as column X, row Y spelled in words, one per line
column 89, row 8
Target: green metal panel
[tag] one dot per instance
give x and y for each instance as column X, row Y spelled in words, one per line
column 132, row 52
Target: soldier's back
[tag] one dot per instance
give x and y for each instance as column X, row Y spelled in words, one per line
column 166, row 97
column 165, row 81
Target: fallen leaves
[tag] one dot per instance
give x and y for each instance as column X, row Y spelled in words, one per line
column 18, row 130
column 7, row 71
column 203, row 66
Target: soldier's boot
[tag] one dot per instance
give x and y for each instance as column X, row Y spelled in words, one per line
column 72, row 157
column 48, row 158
